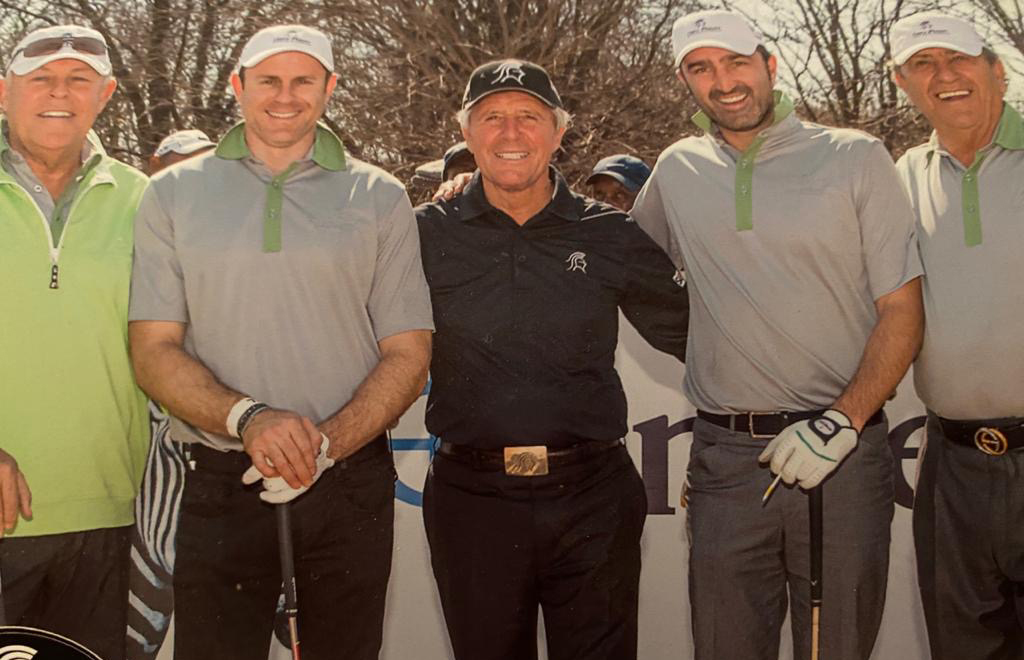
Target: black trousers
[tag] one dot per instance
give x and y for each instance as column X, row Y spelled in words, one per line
column 73, row 584
column 227, row 575
column 568, row 542
column 969, row 539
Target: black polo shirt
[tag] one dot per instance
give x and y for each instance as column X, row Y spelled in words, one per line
column 527, row 317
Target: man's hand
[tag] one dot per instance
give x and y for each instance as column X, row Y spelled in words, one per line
column 452, row 187
column 276, row 490
column 15, row 496
column 808, row 451
column 283, row 444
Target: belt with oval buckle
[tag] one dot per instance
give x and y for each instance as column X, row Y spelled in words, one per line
column 526, row 461
column 991, row 441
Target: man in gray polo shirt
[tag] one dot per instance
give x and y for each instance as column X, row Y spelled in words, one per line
column 798, row 244
column 277, row 269
column 964, row 184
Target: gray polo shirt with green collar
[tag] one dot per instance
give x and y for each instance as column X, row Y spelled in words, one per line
column 286, row 283
column 971, row 237
column 786, row 248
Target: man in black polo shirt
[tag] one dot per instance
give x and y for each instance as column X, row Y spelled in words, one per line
column 532, row 498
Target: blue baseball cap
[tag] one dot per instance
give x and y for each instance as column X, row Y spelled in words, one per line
column 630, row 171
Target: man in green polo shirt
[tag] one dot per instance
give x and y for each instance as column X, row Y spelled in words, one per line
column 965, row 184
column 74, row 425
column 798, row 246
column 280, row 313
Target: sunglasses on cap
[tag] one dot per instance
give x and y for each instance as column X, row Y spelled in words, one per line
column 51, row 45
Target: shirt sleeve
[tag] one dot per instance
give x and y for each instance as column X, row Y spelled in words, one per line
column 158, row 287
column 649, row 213
column 655, row 301
column 399, row 300
column 888, row 238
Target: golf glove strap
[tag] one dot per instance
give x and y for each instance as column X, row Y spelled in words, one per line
column 809, row 450
column 276, row 490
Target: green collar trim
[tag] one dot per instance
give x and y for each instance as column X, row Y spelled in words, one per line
column 1010, row 136
column 328, row 151
column 1010, row 131
column 783, row 108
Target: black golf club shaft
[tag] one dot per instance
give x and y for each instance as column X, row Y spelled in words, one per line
column 814, row 509
column 291, row 601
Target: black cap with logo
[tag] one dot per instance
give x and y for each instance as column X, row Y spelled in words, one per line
column 510, row 76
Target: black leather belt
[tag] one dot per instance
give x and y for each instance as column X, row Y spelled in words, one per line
column 494, row 459
column 994, row 439
column 201, row 457
column 769, row 425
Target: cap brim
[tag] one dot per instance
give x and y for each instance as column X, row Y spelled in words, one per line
column 192, row 148
column 23, row 65
column 900, row 58
column 713, row 43
column 259, row 57
column 509, row 89
column 432, row 171
column 629, row 185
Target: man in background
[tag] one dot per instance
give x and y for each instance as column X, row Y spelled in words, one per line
column 616, row 180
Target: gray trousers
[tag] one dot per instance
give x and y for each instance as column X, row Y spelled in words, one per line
column 747, row 561
column 969, row 538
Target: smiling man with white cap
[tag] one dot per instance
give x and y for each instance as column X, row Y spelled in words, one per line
column 280, row 313
column 798, row 246
column 75, row 427
column 964, row 184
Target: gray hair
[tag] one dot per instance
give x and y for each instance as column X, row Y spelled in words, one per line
column 562, row 118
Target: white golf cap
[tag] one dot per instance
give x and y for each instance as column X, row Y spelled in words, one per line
column 933, row 30
column 184, row 142
column 717, row 28
column 60, row 42
column 287, row 38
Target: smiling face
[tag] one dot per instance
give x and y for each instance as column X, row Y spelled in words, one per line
column 281, row 100
column 954, row 91
column 734, row 90
column 512, row 136
column 52, row 108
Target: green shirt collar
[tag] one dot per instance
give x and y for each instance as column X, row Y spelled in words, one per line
column 94, row 162
column 783, row 108
column 1009, row 132
column 328, row 151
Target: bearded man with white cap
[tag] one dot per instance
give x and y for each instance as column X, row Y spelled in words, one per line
column 75, row 428
column 279, row 312
column 798, row 244
column 964, row 185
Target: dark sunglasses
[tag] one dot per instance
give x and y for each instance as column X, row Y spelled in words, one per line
column 49, row 46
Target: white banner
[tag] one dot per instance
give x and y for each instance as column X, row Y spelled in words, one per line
column 659, row 441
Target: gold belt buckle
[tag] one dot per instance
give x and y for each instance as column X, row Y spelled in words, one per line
column 531, row 461
column 990, row 440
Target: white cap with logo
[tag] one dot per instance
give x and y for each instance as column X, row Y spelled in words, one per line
column 60, row 42
column 184, row 142
column 933, row 30
column 287, row 38
column 716, row 28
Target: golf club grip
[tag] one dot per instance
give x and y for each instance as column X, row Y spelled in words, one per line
column 284, row 541
column 814, row 509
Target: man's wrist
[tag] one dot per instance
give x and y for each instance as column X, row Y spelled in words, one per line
column 241, row 414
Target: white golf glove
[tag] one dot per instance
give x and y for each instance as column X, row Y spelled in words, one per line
column 276, row 490
column 809, row 450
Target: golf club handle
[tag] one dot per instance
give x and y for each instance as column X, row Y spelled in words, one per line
column 815, row 510
column 815, row 631
column 284, row 540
